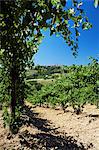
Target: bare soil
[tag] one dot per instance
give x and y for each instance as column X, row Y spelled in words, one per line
column 50, row 129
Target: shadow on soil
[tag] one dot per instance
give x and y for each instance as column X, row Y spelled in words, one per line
column 47, row 137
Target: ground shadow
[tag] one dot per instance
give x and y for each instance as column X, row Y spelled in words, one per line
column 48, row 138
column 45, row 141
column 32, row 119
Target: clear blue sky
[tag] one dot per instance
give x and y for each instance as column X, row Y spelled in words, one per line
column 54, row 51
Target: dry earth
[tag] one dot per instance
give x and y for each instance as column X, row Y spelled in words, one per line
column 49, row 129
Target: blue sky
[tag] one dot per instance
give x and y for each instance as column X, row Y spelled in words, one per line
column 54, row 51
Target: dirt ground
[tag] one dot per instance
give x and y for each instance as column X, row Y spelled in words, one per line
column 49, row 129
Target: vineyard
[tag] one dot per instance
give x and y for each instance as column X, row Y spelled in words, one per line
column 49, row 107
column 61, row 110
column 77, row 87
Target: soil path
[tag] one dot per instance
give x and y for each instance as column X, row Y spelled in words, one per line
column 49, row 129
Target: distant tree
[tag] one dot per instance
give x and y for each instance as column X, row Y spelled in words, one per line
column 22, row 23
